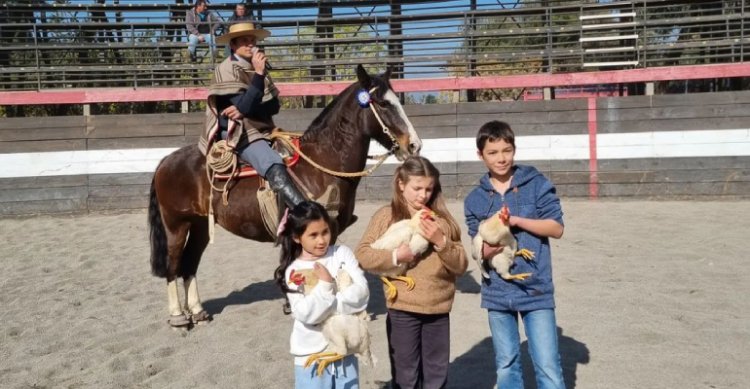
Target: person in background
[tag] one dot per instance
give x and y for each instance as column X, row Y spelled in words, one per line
column 201, row 25
column 239, row 15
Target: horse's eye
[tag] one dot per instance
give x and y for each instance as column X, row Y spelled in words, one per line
column 384, row 103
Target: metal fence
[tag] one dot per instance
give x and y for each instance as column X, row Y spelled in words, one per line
column 45, row 45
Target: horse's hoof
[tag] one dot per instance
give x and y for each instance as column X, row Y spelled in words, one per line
column 178, row 321
column 200, row 317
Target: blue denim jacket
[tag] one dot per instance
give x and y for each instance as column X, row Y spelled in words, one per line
column 530, row 195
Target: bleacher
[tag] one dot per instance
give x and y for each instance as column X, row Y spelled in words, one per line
column 139, row 43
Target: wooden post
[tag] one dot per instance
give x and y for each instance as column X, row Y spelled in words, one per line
column 549, row 93
column 649, row 89
column 471, row 94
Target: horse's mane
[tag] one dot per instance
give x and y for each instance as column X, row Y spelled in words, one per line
column 337, row 113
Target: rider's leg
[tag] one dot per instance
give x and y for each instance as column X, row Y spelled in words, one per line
column 270, row 166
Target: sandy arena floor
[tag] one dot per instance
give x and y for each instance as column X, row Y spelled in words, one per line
column 649, row 294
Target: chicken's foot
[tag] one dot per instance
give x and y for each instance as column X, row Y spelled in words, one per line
column 526, row 254
column 391, row 291
column 519, row 276
column 323, row 359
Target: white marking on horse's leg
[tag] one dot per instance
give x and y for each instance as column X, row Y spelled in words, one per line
column 413, row 137
column 174, row 298
column 193, row 300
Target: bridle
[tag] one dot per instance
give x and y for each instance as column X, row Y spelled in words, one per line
column 284, row 137
column 386, row 130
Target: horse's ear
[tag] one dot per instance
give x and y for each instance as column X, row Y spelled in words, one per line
column 364, row 79
column 387, row 74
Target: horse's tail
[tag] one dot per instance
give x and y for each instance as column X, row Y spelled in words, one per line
column 158, row 236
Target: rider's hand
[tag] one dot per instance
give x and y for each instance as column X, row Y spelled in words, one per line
column 258, row 61
column 233, row 113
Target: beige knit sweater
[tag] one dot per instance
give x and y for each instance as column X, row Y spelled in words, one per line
column 434, row 274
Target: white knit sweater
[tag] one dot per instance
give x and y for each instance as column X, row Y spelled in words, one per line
column 310, row 310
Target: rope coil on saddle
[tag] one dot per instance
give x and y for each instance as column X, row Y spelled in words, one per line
column 285, row 138
column 219, row 159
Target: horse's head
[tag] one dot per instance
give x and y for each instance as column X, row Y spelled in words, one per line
column 386, row 118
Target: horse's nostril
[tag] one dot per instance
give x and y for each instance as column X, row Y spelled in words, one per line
column 414, row 148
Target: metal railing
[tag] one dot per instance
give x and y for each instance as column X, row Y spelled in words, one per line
column 145, row 45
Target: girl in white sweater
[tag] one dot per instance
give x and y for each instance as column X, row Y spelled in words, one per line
column 306, row 274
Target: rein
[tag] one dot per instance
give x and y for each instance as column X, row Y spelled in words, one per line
column 283, row 137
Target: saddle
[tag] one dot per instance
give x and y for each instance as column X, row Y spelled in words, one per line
column 270, row 204
column 289, row 156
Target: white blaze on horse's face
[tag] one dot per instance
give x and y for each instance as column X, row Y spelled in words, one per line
column 415, row 144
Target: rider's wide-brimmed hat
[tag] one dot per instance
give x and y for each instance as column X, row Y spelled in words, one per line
column 243, row 29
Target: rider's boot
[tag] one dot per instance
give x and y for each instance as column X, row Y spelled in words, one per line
column 281, row 182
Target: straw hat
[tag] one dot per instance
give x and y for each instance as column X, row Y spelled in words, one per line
column 242, row 29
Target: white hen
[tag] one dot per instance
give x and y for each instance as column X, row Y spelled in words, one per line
column 406, row 231
column 346, row 334
column 495, row 230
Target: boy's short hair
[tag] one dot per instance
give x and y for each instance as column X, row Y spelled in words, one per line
column 494, row 131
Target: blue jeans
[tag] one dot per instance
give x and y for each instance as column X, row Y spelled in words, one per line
column 541, row 331
column 193, row 43
column 343, row 374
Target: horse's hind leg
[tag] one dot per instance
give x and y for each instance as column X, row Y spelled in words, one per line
column 176, row 236
column 191, row 256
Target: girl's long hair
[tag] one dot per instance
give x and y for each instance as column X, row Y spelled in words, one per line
column 421, row 167
column 297, row 220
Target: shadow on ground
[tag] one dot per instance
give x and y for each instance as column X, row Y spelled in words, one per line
column 572, row 354
column 259, row 291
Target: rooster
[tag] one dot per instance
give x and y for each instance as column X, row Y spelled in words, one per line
column 496, row 231
column 346, row 334
column 405, row 231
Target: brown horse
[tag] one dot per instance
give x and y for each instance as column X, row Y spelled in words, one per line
column 338, row 140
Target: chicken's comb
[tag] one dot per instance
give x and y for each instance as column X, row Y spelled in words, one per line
column 505, row 212
column 296, row 278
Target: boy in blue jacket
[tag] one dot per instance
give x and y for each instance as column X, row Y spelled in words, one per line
column 536, row 216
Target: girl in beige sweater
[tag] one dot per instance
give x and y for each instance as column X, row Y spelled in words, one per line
column 418, row 324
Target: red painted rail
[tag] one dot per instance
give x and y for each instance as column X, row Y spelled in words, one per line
column 123, row 95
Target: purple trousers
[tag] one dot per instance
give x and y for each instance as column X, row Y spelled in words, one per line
column 419, row 349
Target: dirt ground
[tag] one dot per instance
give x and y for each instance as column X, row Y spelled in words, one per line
column 649, row 295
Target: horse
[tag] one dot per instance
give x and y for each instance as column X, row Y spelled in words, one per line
column 337, row 140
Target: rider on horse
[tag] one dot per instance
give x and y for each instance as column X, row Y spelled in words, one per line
column 241, row 102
